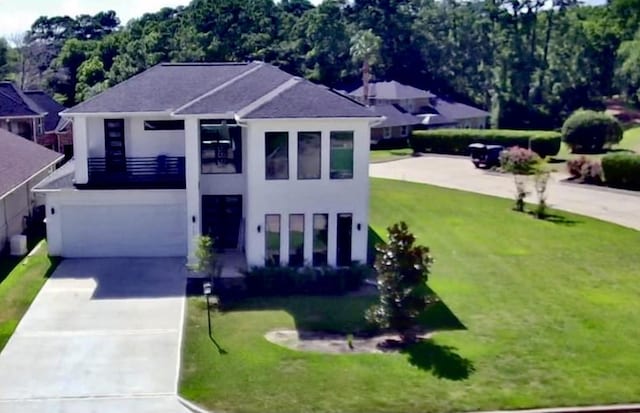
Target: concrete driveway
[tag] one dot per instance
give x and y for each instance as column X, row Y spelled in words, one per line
column 620, row 207
column 103, row 335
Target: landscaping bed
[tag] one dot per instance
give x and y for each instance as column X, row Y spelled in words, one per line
column 535, row 313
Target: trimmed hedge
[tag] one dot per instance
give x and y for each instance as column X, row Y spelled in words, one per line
column 282, row 281
column 622, row 170
column 456, row 141
column 588, row 131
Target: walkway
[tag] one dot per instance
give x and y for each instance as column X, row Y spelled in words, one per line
column 620, row 207
column 103, row 335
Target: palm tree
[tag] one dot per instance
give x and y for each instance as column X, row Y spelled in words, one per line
column 365, row 48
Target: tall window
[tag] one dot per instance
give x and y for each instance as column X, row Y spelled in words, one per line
column 309, row 155
column 272, row 240
column 404, row 131
column 277, row 155
column 320, row 239
column 341, row 155
column 296, row 240
column 220, row 147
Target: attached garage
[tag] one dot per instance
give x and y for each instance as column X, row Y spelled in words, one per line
column 142, row 223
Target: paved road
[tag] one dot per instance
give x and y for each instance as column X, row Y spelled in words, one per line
column 103, row 335
column 620, row 207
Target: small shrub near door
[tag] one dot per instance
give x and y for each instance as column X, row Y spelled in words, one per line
column 282, row 281
column 622, row 170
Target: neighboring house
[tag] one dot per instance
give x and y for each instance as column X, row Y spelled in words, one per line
column 397, row 123
column 262, row 161
column 22, row 165
column 434, row 111
column 36, row 116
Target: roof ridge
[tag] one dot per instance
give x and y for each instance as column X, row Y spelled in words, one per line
column 25, row 101
column 268, row 97
column 258, row 65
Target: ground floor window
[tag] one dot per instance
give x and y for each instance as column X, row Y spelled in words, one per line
column 296, row 240
column 404, row 131
column 343, row 239
column 320, row 240
column 272, row 240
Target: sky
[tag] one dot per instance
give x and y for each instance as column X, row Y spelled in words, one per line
column 18, row 15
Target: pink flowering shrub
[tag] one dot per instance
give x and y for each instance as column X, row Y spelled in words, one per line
column 585, row 169
column 519, row 161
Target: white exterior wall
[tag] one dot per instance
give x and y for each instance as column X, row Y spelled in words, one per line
column 192, row 164
column 308, row 197
column 116, row 223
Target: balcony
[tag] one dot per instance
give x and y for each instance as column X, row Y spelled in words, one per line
column 156, row 172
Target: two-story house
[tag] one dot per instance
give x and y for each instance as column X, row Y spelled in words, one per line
column 264, row 162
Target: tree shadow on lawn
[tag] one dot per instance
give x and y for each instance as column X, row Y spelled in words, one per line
column 442, row 361
column 558, row 219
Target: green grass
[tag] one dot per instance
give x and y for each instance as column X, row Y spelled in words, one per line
column 20, row 287
column 550, row 311
column 385, row 155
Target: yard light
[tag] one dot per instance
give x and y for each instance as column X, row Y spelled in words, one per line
column 206, row 287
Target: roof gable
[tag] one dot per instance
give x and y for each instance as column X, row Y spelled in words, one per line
column 14, row 103
column 457, row 111
column 49, row 105
column 20, row 159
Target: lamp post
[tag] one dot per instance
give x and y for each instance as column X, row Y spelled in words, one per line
column 207, row 292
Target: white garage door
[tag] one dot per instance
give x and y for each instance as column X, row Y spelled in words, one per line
column 124, row 231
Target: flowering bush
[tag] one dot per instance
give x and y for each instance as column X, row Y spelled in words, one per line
column 585, row 169
column 574, row 166
column 519, row 161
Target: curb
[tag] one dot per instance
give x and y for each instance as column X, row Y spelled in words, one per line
column 191, row 406
column 613, row 408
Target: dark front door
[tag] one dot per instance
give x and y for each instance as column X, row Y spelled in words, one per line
column 343, row 242
column 221, row 218
column 114, row 155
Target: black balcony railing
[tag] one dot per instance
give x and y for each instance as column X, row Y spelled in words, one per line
column 156, row 172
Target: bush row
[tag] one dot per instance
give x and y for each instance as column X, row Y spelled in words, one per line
column 622, row 170
column 456, row 141
column 269, row 281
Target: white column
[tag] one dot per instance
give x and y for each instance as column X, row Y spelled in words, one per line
column 192, row 155
column 81, row 150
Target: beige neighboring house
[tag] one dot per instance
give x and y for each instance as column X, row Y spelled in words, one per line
column 23, row 164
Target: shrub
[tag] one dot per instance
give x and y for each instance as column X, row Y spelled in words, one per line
column 456, row 141
column 622, row 170
column 282, row 281
column 590, row 131
column 520, row 161
column 585, row 169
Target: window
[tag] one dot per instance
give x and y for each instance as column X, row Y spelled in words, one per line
column 343, row 240
column 309, row 155
column 341, row 155
column 163, row 125
column 296, row 240
column 320, row 239
column 386, row 133
column 277, row 155
column 272, row 240
column 220, row 147
column 404, row 131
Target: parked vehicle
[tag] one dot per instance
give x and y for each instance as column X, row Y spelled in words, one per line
column 485, row 156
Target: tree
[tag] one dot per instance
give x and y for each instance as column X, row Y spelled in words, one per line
column 365, row 48
column 590, row 131
column 628, row 73
column 403, row 271
column 4, row 58
column 205, row 261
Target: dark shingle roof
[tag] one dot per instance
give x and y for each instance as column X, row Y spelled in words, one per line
column 13, row 102
column 457, row 111
column 435, row 119
column 162, row 88
column 20, row 159
column 392, row 91
column 303, row 99
column 49, row 105
column 395, row 116
column 243, row 91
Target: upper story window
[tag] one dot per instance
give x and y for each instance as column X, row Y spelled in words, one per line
column 220, row 147
column 163, row 125
column 309, row 155
column 341, row 161
column 276, row 155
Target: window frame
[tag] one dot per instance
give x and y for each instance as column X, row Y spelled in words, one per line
column 167, row 125
column 319, row 175
column 236, row 141
column 267, row 257
column 387, row 132
column 266, row 163
column 404, row 131
column 299, row 261
column 331, row 155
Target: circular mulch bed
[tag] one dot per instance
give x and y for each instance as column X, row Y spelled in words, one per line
column 335, row 343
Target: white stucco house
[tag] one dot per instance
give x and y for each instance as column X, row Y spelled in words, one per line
column 266, row 163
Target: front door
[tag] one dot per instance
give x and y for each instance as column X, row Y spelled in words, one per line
column 114, row 156
column 221, row 218
column 343, row 242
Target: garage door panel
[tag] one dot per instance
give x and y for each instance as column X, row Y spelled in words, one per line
column 124, row 230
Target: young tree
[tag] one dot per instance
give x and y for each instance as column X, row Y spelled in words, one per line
column 520, row 162
column 205, row 262
column 403, row 271
column 365, row 48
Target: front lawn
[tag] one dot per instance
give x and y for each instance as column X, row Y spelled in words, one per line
column 20, row 287
column 548, row 315
column 386, row 155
